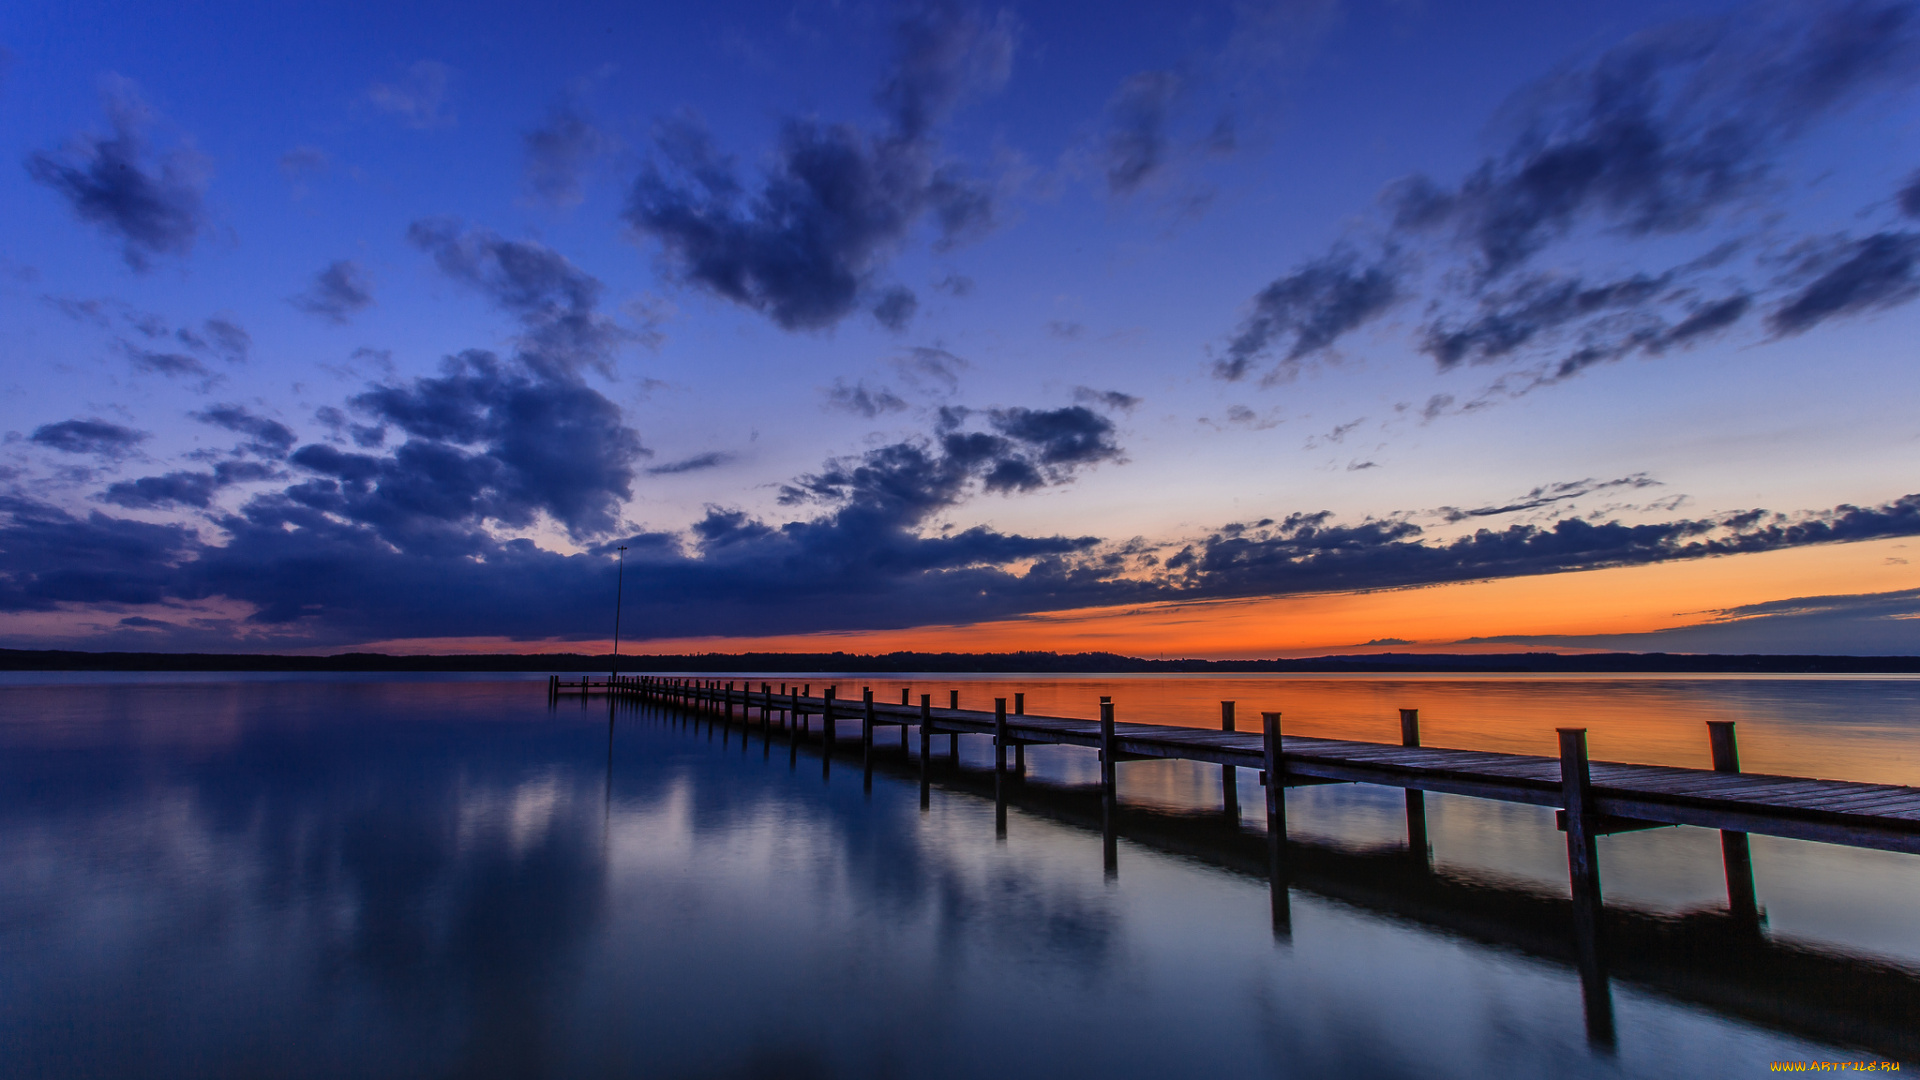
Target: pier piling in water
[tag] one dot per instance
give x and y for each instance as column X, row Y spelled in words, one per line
column 1229, row 774
column 1735, row 852
column 1277, row 870
column 1417, row 844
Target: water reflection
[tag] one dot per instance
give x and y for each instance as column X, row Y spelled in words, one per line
column 382, row 878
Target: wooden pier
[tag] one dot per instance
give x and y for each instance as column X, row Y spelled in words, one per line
column 1593, row 798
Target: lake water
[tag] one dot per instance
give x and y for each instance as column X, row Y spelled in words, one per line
column 215, row 876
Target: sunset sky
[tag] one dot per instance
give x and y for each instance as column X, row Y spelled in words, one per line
column 1237, row 329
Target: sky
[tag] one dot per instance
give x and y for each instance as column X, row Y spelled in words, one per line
column 1220, row 329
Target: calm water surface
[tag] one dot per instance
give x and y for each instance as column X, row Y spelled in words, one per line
column 275, row 876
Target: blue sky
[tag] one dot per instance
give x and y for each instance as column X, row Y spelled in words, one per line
column 327, row 327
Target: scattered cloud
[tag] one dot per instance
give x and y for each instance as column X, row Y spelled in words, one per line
column 98, row 437
column 1547, row 495
column 1308, row 310
column 151, row 204
column 337, row 293
column 836, row 201
column 1673, row 132
column 696, row 463
column 861, row 400
column 930, row 368
column 1134, row 146
column 1849, row 277
column 1105, row 399
column 895, row 307
column 269, row 438
column 559, row 151
column 419, row 98
column 555, row 301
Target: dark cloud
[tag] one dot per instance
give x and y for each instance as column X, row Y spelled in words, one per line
column 1547, row 495
column 931, row 368
column 418, row 98
column 170, row 364
column 487, row 440
column 1106, row 399
column 1658, row 133
column 1909, row 198
column 559, row 152
column 1852, row 277
column 555, row 301
column 337, row 292
column 861, row 400
column 696, row 463
column 1512, row 320
column 95, row 436
column 268, row 437
column 218, row 337
column 150, row 205
column 1066, row 331
column 161, row 492
column 1309, row 309
column 955, row 285
column 50, row 558
column 835, row 201
column 1072, row 436
column 395, row 545
column 1664, row 134
column 1307, row 552
column 1135, row 145
column 895, row 307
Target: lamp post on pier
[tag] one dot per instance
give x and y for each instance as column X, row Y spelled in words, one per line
column 619, row 584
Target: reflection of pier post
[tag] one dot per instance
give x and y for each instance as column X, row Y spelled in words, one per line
column 826, row 730
column 1020, row 748
column 1229, row 774
column 1417, row 844
column 1734, row 850
column 1583, row 872
column 926, row 750
column 1277, row 876
column 1109, row 810
column 1000, row 767
column 866, row 739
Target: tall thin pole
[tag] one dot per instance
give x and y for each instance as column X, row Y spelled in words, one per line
column 619, row 585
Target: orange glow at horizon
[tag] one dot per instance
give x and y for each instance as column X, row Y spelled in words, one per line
column 1430, row 618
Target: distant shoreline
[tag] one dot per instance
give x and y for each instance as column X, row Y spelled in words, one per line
column 976, row 663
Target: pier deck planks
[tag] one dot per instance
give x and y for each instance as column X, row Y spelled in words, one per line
column 1882, row 816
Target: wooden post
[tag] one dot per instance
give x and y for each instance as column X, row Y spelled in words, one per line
column 1229, row 774
column 999, row 735
column 1734, row 849
column 1277, row 876
column 1583, row 873
column 1108, row 777
column 904, row 700
column 1020, row 748
column 926, row 740
column 826, row 719
column 1417, row 844
column 953, row 738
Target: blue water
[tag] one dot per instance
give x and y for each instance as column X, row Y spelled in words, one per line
column 441, row 877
